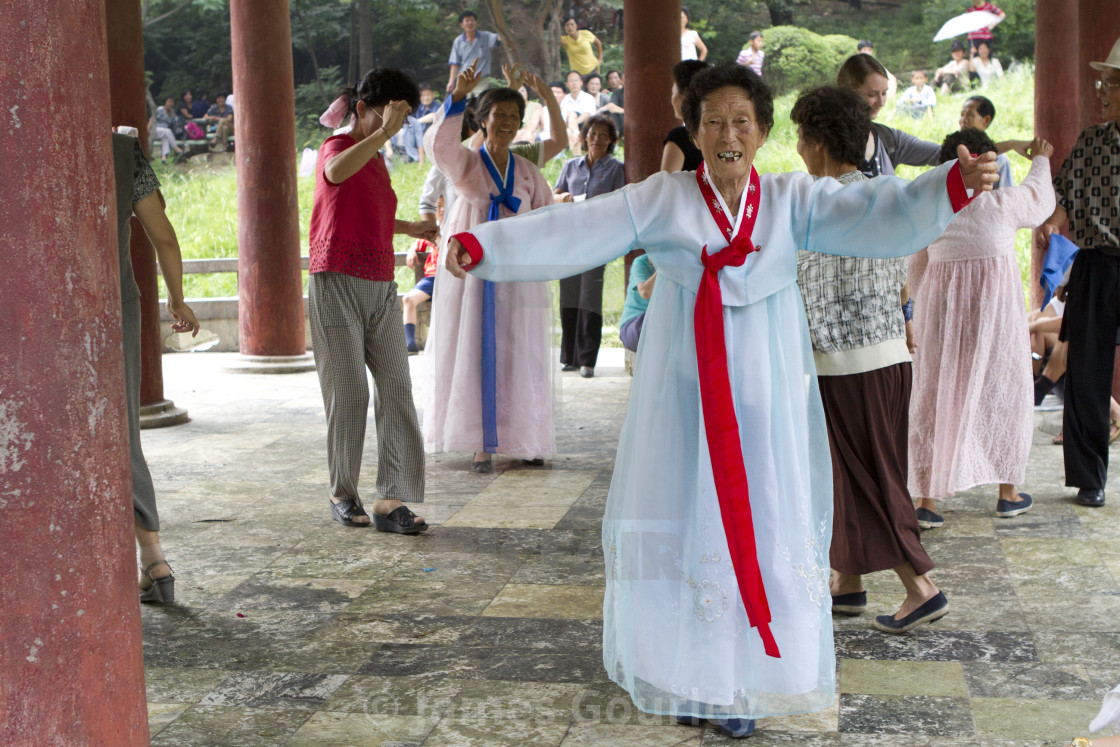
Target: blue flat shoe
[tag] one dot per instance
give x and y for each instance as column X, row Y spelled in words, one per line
column 689, row 720
column 928, row 519
column 1007, row 509
column 736, row 728
column 934, row 609
column 849, row 604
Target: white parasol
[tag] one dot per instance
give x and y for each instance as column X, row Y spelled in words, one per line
column 966, row 23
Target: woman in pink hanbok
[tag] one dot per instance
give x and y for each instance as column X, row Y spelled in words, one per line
column 491, row 341
column 971, row 410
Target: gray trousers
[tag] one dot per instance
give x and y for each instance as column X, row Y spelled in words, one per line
column 143, row 492
column 355, row 324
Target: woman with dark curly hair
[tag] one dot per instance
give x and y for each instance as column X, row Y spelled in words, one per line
column 863, row 371
column 716, row 602
column 355, row 315
column 491, row 341
column 581, row 296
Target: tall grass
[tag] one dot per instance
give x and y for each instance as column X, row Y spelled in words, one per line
column 202, row 201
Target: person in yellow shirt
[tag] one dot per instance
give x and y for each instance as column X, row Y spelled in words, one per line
column 577, row 43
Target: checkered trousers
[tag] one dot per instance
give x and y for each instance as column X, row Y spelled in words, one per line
column 355, row 324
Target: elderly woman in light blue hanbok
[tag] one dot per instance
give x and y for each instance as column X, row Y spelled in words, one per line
column 717, row 599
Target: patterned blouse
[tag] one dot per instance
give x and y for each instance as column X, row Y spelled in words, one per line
column 1088, row 187
column 853, row 303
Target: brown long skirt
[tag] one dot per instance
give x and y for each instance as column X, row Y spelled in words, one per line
column 874, row 526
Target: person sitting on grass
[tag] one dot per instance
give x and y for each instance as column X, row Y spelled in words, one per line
column 424, row 289
column 919, row 99
column 221, row 115
column 952, row 77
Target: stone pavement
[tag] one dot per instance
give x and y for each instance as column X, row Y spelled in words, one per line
column 294, row 630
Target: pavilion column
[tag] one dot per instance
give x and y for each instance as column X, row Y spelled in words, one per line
column 125, row 32
column 1099, row 27
column 652, row 46
column 71, row 667
column 1056, row 80
column 270, row 290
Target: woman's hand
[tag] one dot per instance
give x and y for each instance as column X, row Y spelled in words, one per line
column 392, row 119
column 514, row 77
column 1045, row 231
column 1040, row 147
column 534, row 83
column 979, row 173
column 456, row 257
column 186, row 321
column 466, row 82
column 422, row 229
column 562, row 197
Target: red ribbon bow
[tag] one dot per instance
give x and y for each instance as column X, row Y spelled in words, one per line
column 720, row 424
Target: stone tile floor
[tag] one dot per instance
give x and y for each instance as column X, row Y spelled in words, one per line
column 293, row 630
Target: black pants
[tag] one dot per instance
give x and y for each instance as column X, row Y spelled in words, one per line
column 1090, row 323
column 581, row 333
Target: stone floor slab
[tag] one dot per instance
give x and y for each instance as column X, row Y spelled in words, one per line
column 547, row 600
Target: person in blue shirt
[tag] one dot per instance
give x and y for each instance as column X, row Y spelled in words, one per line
column 469, row 46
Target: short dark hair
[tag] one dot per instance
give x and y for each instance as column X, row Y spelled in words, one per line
column 984, row 106
column 183, row 95
column 587, row 78
column 684, row 71
column 558, row 84
column 492, row 98
column 754, row 35
column 856, row 70
column 599, row 119
column 838, row 117
column 613, row 70
column 728, row 74
column 864, row 44
column 382, row 85
column 467, row 14
column 424, row 87
column 975, row 140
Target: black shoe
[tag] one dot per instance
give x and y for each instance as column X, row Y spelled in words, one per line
column 934, row 609
column 1090, row 497
column 569, row 367
column 586, row 371
column 928, row 519
column 849, row 604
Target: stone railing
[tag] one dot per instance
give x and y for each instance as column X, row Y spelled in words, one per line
column 218, row 316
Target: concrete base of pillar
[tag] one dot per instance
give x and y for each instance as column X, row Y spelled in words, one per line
column 162, row 414
column 273, row 364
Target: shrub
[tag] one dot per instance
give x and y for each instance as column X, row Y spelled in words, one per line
column 798, row 58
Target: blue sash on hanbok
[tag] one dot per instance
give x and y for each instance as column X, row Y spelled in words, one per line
column 489, row 350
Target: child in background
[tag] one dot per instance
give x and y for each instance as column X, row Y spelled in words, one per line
column 423, row 290
column 919, row 99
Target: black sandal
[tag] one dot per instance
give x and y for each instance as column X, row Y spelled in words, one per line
column 400, row 520
column 344, row 512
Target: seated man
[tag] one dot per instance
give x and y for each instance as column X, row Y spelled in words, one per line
column 410, row 139
column 578, row 106
column 642, row 278
column 919, row 99
column 952, row 77
column 220, row 114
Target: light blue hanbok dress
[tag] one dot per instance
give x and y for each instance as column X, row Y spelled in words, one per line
column 675, row 632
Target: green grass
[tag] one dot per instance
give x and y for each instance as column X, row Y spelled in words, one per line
column 202, row 201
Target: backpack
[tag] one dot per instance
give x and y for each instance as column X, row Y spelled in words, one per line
column 194, row 132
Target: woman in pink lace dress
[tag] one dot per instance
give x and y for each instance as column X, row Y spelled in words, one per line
column 971, row 411
column 505, row 361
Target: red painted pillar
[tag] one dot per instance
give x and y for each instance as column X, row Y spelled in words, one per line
column 1056, row 78
column 652, row 46
column 71, row 670
column 125, row 32
column 270, row 302
column 1099, row 24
